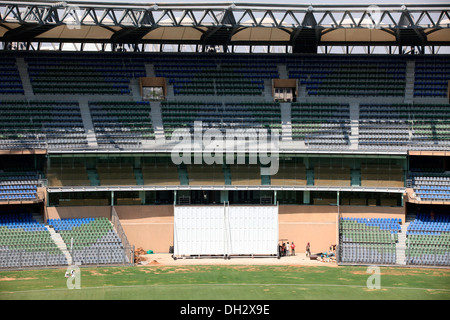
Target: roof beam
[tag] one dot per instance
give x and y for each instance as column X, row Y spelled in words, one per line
column 219, row 21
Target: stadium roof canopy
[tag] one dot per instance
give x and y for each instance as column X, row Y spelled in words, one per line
column 225, row 24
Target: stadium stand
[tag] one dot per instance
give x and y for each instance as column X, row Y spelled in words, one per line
column 369, row 240
column 224, row 75
column 215, row 115
column 41, row 124
column 91, row 240
column 25, row 242
column 18, row 185
column 10, row 81
column 71, row 74
column 322, row 124
column 121, row 124
column 349, row 76
column 429, row 185
column 350, row 128
column 431, row 76
column 418, row 126
column 428, row 239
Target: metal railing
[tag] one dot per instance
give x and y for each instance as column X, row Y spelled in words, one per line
column 128, row 249
column 20, row 258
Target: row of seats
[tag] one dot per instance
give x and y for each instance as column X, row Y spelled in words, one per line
column 428, row 239
column 321, row 123
column 369, row 240
column 363, row 253
column 26, row 124
column 18, row 185
column 123, row 124
column 91, row 240
column 431, row 77
column 416, row 125
column 70, row 74
column 61, row 72
column 348, row 76
column 24, row 242
column 239, row 115
column 10, row 81
column 431, row 186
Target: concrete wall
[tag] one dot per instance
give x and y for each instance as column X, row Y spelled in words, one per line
column 78, row 212
column 303, row 224
column 151, row 227
column 148, row 227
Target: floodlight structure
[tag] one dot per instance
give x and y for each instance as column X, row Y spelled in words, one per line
column 225, row 25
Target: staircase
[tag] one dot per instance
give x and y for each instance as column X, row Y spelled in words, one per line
column 149, row 70
column 282, row 71
column 401, row 245
column 135, row 89
column 410, row 77
column 60, row 243
column 286, row 123
column 87, row 122
column 354, row 126
column 56, row 237
column 26, row 83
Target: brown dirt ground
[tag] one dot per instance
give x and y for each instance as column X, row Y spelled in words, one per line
column 164, row 259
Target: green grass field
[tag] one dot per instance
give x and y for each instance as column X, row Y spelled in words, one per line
column 227, row 283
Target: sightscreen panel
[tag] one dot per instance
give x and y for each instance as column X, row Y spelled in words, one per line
column 217, row 230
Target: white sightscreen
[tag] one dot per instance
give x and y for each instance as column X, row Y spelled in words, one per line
column 253, row 230
column 224, row 230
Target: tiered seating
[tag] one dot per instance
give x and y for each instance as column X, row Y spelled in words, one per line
column 94, row 240
column 122, row 124
column 187, row 74
column 370, row 240
column 321, row 124
column 41, row 124
column 10, row 82
column 349, row 75
column 428, row 240
column 404, row 125
column 82, row 74
column 218, row 75
column 431, row 186
column 18, row 185
column 242, row 115
column 431, row 76
column 24, row 242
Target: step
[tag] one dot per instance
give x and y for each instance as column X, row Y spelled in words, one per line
column 401, row 245
column 87, row 122
column 26, row 83
column 286, row 123
column 60, row 243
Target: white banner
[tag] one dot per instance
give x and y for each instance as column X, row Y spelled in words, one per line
column 224, row 230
